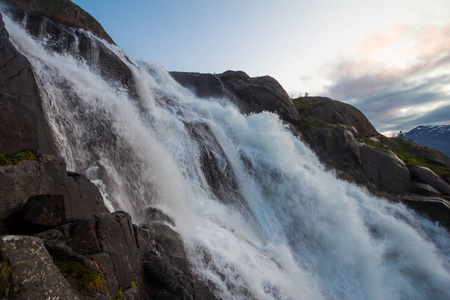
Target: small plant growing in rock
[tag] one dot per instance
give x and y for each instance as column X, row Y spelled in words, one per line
column 16, row 158
column 93, row 281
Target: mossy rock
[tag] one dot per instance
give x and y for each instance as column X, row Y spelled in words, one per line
column 16, row 158
column 92, row 281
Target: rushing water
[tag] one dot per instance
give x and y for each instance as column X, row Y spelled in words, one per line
column 271, row 224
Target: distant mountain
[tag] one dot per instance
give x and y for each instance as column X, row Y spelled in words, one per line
column 436, row 136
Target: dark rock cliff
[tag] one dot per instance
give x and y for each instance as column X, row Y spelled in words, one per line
column 57, row 238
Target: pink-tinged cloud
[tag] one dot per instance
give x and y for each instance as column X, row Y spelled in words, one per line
column 433, row 41
column 379, row 40
column 384, row 91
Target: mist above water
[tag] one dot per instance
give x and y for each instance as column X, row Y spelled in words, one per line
column 268, row 223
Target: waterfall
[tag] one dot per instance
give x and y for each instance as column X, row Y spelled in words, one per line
column 259, row 215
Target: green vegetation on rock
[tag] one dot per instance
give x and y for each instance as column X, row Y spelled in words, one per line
column 413, row 159
column 119, row 294
column 303, row 109
column 16, row 158
column 93, row 282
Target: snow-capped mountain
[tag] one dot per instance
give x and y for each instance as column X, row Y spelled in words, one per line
column 436, row 136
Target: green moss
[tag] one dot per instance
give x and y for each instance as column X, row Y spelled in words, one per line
column 413, row 159
column 119, row 294
column 133, row 284
column 301, row 105
column 370, row 142
column 16, row 158
column 93, row 281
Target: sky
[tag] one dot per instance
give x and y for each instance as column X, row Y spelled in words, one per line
column 388, row 58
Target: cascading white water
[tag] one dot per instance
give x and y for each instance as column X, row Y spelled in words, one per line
column 288, row 230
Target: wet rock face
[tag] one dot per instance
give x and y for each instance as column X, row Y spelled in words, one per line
column 28, row 271
column 63, row 12
column 22, row 123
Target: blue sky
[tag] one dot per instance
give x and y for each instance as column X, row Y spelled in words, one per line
column 389, row 58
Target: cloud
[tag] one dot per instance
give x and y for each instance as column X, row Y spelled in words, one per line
column 397, row 90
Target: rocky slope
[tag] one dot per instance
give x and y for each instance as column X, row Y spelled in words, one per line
column 57, row 238
column 435, row 136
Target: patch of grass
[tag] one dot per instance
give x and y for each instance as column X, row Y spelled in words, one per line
column 301, row 105
column 93, row 281
column 368, row 141
column 412, row 159
column 16, row 158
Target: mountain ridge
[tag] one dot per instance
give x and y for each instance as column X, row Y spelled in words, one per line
column 435, row 136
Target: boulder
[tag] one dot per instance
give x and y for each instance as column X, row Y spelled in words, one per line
column 42, row 212
column 385, row 169
column 428, row 176
column 28, row 271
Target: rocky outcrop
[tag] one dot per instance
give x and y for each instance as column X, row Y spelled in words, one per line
column 46, row 175
column 251, row 95
column 100, row 256
column 336, row 112
column 28, row 272
column 429, row 177
column 385, row 169
column 431, row 155
column 63, row 39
